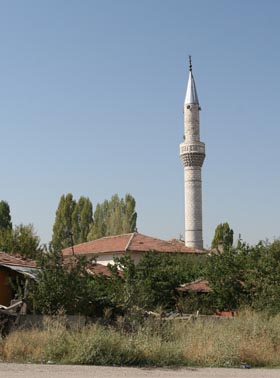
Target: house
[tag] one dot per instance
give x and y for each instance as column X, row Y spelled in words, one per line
column 105, row 249
column 13, row 269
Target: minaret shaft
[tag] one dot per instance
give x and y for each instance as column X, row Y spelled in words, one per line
column 192, row 153
column 193, row 207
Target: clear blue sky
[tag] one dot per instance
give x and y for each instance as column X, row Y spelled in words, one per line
column 91, row 96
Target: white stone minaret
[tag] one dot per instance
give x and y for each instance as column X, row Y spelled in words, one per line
column 192, row 154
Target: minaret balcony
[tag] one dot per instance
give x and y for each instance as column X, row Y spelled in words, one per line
column 198, row 147
column 192, row 159
column 192, row 155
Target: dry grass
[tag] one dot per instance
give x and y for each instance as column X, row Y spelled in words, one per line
column 251, row 338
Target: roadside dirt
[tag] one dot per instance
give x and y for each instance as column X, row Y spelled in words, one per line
column 69, row 371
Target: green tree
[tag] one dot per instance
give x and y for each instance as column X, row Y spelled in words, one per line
column 62, row 227
column 68, row 286
column 98, row 228
column 227, row 276
column 81, row 220
column 27, row 241
column 224, row 235
column 5, row 216
column 114, row 217
column 263, row 277
column 153, row 281
column 160, row 274
column 22, row 240
column 130, row 215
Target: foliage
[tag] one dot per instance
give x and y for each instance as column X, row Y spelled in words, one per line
column 160, row 274
column 67, row 286
column 194, row 302
column 224, row 235
column 22, row 240
column 239, row 276
column 226, row 273
column 152, row 282
column 246, row 276
column 81, row 220
column 27, row 242
column 5, row 216
column 114, row 217
column 263, row 277
column 74, row 222
column 148, row 285
column 62, row 227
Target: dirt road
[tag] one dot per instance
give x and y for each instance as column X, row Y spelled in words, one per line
column 58, row 371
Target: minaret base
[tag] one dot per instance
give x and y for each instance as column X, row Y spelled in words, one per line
column 196, row 244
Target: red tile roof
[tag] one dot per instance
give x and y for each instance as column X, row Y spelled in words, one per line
column 133, row 242
column 199, row 286
column 99, row 269
column 16, row 260
column 91, row 267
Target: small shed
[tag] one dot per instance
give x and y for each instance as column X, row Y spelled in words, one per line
column 199, row 286
column 11, row 268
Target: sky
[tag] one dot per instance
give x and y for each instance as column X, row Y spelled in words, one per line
column 91, row 99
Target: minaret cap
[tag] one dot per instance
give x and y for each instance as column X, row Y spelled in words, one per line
column 191, row 95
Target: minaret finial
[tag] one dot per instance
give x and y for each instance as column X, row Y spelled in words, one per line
column 190, row 63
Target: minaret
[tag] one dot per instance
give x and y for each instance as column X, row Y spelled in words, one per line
column 192, row 154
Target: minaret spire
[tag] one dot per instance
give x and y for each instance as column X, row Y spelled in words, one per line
column 190, row 63
column 191, row 94
column 192, row 153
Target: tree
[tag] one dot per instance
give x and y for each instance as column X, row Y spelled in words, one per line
column 5, row 216
column 153, row 281
column 160, row 274
column 27, row 241
column 63, row 222
column 69, row 287
column 98, row 228
column 81, row 220
column 114, row 217
column 263, row 277
column 224, row 235
column 22, row 240
column 130, row 215
column 59, row 286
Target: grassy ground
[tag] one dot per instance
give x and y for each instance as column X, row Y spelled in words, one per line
column 251, row 338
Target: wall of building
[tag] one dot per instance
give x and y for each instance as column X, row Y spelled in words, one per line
column 6, row 292
column 108, row 258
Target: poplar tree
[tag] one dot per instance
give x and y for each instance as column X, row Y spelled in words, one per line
column 5, row 216
column 114, row 217
column 81, row 220
column 130, row 215
column 62, row 228
column 98, row 228
column 223, row 235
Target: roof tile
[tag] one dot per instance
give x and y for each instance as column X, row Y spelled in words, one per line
column 199, row 286
column 133, row 242
column 17, row 260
